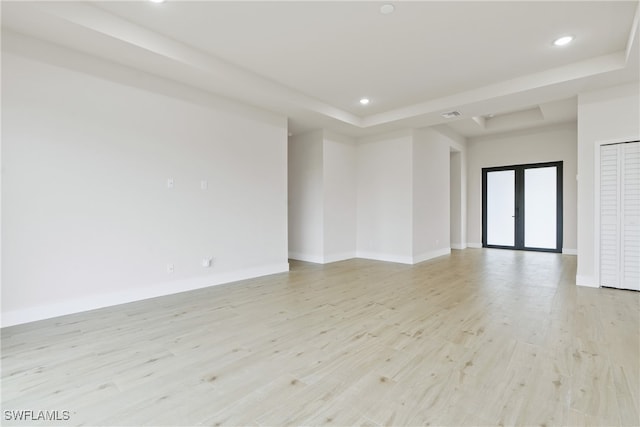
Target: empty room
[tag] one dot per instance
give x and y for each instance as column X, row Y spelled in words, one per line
column 269, row 213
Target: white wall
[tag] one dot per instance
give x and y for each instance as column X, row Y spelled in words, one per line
column 306, row 197
column 87, row 218
column 611, row 114
column 322, row 197
column 384, row 193
column 339, row 171
column 431, row 193
column 555, row 143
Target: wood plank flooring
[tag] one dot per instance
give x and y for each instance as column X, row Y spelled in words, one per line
column 481, row 337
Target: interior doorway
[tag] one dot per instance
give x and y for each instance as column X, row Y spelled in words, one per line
column 522, row 207
column 457, row 201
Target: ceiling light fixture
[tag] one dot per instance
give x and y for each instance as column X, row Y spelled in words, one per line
column 387, row 9
column 364, row 101
column 156, row 1
column 563, row 41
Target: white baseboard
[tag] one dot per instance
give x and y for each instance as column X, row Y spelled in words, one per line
column 404, row 259
column 385, row 257
column 78, row 305
column 431, row 254
column 317, row 259
column 459, row 246
column 587, row 281
column 567, row 251
column 474, row 245
column 338, row 257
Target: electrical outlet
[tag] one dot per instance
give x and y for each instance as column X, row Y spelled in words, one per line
column 169, row 268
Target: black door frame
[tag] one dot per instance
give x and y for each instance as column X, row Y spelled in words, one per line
column 519, row 205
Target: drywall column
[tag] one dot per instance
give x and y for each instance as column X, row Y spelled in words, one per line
column 339, row 189
column 431, row 195
column 609, row 115
column 322, row 197
column 384, row 194
column 404, row 195
column 306, row 197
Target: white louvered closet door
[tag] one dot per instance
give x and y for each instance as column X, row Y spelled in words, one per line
column 620, row 215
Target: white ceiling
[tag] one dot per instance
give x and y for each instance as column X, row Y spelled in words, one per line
column 313, row 61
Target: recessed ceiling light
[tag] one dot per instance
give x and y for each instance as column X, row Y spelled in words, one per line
column 386, row 9
column 563, row 41
column 364, row 101
column 156, row 1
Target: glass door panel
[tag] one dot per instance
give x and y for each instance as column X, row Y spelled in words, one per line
column 540, row 210
column 501, row 208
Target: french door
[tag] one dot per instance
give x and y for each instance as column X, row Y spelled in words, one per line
column 522, row 207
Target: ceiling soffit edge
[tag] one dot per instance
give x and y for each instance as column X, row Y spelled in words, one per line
column 120, row 30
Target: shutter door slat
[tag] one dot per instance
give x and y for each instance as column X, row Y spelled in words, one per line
column 630, row 215
column 609, row 242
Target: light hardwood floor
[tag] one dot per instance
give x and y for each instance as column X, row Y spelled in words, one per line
column 481, row 337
